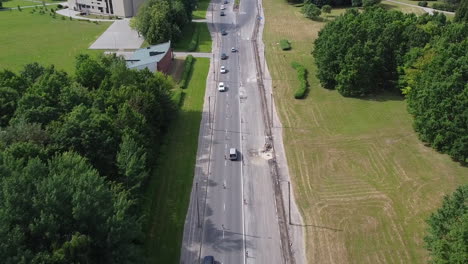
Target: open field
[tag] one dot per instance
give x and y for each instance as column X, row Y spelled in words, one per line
column 169, row 188
column 403, row 8
column 363, row 181
column 200, row 12
column 204, row 41
column 39, row 38
column 16, row 3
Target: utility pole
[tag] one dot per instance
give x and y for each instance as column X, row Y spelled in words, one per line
column 209, row 111
column 198, row 210
column 289, row 192
column 271, row 104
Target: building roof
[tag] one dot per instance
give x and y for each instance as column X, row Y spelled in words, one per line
column 148, row 57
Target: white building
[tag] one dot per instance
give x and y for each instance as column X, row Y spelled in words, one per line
column 121, row 8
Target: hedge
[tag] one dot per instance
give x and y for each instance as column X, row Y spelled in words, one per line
column 302, row 76
column 195, row 38
column 177, row 96
column 422, row 3
column 285, row 45
column 187, row 69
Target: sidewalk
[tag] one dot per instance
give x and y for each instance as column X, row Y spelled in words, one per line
column 74, row 14
column 195, row 54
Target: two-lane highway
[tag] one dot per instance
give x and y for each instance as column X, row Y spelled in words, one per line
column 232, row 214
column 223, row 230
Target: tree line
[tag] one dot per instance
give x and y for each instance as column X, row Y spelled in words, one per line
column 75, row 155
column 163, row 20
column 425, row 58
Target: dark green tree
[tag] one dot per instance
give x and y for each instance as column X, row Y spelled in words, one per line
column 437, row 94
column 31, row 72
column 8, row 101
column 311, row 11
column 88, row 71
column 461, row 15
column 447, row 238
column 89, row 132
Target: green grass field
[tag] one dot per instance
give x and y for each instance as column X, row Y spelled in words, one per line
column 363, row 181
column 200, row 12
column 204, row 41
column 39, row 38
column 169, row 188
column 16, row 3
column 403, row 8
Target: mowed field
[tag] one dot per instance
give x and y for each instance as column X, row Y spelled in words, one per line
column 28, row 38
column 363, row 181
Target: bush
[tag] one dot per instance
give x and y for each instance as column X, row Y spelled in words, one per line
column 59, row 6
column 326, row 9
column 422, row 3
column 195, row 38
column 302, row 76
column 285, row 44
column 370, row 2
column 311, row 11
column 187, row 69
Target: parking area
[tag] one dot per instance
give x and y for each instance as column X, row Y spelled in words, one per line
column 119, row 36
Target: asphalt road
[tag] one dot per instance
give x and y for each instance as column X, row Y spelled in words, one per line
column 238, row 220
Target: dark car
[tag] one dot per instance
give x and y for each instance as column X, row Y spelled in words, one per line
column 208, row 260
column 223, row 56
column 223, row 32
column 226, row 1
column 222, row 13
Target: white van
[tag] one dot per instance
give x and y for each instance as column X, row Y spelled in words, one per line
column 233, row 154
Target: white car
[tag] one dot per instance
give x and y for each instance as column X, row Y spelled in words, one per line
column 223, row 7
column 221, row 87
column 233, row 49
column 223, row 69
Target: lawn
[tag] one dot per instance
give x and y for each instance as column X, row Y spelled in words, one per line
column 169, row 188
column 363, row 181
column 40, row 38
column 200, row 11
column 204, row 40
column 403, row 8
column 16, row 3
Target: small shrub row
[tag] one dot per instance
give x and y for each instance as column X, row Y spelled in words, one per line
column 187, row 69
column 285, row 44
column 177, row 96
column 195, row 38
column 302, row 76
column 422, row 3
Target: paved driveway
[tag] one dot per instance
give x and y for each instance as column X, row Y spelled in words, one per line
column 118, row 36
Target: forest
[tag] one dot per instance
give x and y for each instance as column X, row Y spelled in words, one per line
column 75, row 155
column 424, row 58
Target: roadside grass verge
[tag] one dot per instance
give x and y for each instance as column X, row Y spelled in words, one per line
column 28, row 38
column 363, row 181
column 169, row 188
column 200, row 11
column 204, row 38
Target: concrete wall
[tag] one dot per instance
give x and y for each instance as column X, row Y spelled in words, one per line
column 121, row 8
